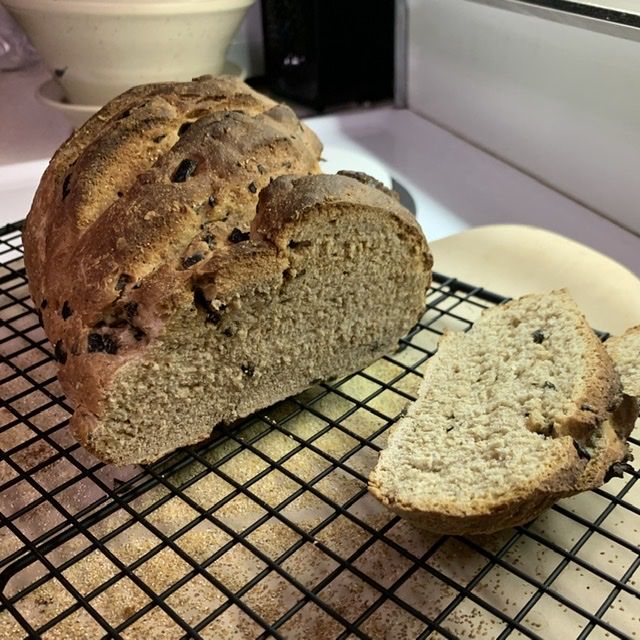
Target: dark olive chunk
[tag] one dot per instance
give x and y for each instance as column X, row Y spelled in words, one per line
column 66, row 310
column 238, row 236
column 538, row 336
column 617, row 469
column 99, row 342
column 582, row 450
column 60, row 352
column 294, row 244
column 185, row 170
column 248, row 369
column 189, row 261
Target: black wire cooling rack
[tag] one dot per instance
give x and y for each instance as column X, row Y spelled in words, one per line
column 268, row 531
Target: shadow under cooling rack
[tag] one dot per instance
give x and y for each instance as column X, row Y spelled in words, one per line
column 268, row 531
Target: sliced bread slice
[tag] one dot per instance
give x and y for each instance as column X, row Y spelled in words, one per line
column 625, row 353
column 522, row 410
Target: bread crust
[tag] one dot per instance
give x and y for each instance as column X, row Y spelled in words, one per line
column 490, row 517
column 625, row 353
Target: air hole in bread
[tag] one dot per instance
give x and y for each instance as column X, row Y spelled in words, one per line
column 197, row 113
column 212, row 315
column 123, row 280
column 210, row 239
column 295, row 244
column 248, row 369
column 65, row 186
column 184, row 127
column 131, row 309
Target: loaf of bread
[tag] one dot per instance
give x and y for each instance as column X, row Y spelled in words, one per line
column 524, row 409
column 191, row 266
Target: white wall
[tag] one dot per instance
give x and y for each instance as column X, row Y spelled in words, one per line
column 558, row 101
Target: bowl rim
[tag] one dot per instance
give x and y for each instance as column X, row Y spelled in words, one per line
column 51, row 92
column 51, row 86
column 124, row 7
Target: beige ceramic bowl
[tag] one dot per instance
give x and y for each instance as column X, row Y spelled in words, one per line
column 51, row 94
column 100, row 48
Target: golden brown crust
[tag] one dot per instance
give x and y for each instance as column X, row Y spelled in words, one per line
column 288, row 198
column 126, row 136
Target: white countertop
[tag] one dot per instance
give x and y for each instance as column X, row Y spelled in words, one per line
column 28, row 130
column 455, row 185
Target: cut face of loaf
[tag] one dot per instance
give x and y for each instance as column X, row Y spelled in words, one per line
column 335, row 273
column 522, row 410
